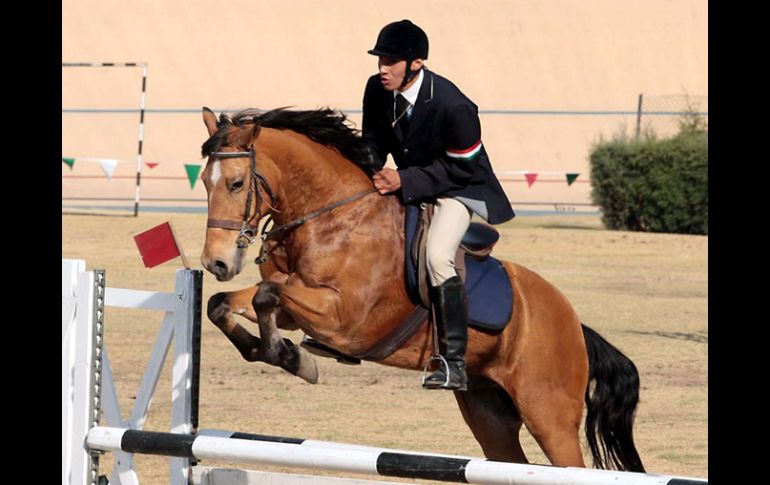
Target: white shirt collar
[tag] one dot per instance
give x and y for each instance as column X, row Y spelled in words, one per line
column 414, row 90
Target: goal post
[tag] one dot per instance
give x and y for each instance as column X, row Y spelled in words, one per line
column 143, row 67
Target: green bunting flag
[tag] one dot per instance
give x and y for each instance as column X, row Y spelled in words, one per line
column 192, row 173
column 68, row 161
column 571, row 177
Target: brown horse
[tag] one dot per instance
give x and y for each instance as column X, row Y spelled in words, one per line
column 338, row 274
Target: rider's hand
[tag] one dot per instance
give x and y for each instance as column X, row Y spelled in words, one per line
column 387, row 180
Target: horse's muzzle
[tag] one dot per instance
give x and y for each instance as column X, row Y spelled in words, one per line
column 217, row 267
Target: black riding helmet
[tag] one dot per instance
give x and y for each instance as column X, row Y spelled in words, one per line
column 402, row 40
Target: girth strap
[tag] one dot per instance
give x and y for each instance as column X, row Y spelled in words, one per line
column 398, row 337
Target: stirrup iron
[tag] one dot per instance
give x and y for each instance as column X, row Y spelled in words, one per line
column 442, row 361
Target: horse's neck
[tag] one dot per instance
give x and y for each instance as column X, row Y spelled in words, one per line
column 311, row 176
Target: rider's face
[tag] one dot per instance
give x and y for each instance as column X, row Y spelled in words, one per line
column 392, row 72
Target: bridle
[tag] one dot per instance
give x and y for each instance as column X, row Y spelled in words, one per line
column 248, row 232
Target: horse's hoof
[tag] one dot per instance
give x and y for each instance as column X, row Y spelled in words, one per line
column 307, row 368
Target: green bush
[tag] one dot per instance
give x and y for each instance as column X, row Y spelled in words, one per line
column 653, row 185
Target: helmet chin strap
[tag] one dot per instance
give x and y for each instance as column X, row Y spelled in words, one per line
column 408, row 74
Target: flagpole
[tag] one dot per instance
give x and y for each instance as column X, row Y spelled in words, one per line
column 179, row 246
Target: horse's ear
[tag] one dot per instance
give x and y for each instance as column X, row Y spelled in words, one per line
column 210, row 120
column 248, row 134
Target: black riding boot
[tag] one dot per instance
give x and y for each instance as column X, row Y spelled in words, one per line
column 451, row 308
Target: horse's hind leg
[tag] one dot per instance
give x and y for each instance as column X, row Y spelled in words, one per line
column 550, row 396
column 489, row 412
column 555, row 424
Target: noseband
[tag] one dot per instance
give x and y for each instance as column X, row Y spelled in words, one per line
column 248, row 232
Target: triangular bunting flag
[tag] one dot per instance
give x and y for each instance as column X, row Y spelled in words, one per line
column 192, row 173
column 571, row 177
column 151, row 164
column 531, row 177
column 69, row 161
column 108, row 166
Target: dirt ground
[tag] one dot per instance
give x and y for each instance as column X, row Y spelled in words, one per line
column 645, row 293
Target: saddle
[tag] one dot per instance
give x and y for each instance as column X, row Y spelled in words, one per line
column 490, row 296
column 477, row 243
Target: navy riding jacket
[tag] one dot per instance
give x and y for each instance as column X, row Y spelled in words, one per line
column 442, row 154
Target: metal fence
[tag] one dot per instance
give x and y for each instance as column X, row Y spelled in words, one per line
column 532, row 176
column 663, row 116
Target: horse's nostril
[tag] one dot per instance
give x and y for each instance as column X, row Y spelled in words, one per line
column 221, row 267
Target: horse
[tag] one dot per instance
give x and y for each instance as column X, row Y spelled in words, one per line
column 334, row 268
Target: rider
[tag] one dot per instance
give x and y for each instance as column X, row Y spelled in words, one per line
column 432, row 130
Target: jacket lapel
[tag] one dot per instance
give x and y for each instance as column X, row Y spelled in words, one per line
column 422, row 105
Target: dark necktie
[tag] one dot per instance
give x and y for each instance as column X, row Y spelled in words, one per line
column 401, row 114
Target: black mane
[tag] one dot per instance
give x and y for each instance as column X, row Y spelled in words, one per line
column 324, row 126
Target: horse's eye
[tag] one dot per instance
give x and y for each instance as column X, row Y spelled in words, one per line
column 236, row 185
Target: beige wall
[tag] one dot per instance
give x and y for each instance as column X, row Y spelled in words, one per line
column 580, row 55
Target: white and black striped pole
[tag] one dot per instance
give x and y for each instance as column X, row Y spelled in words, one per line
column 313, row 443
column 462, row 470
column 141, row 140
column 143, row 65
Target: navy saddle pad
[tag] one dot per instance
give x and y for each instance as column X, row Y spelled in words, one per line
column 490, row 296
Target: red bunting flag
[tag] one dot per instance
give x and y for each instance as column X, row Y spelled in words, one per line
column 531, row 177
column 158, row 245
column 151, row 164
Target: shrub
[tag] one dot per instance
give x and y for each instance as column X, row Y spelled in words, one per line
column 654, row 185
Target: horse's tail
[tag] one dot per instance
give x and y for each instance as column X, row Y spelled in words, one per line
column 611, row 406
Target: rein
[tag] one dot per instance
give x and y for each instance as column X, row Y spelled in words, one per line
column 248, row 232
column 278, row 232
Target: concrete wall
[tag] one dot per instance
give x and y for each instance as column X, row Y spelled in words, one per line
column 519, row 55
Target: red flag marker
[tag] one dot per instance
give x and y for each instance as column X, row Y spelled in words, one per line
column 158, row 245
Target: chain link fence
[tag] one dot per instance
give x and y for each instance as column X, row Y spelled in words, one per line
column 664, row 116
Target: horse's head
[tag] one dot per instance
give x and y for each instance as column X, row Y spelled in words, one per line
column 248, row 175
column 239, row 192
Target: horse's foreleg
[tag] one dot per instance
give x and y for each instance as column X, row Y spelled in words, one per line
column 273, row 273
column 316, row 310
column 240, row 302
column 270, row 347
column 221, row 308
column 273, row 348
